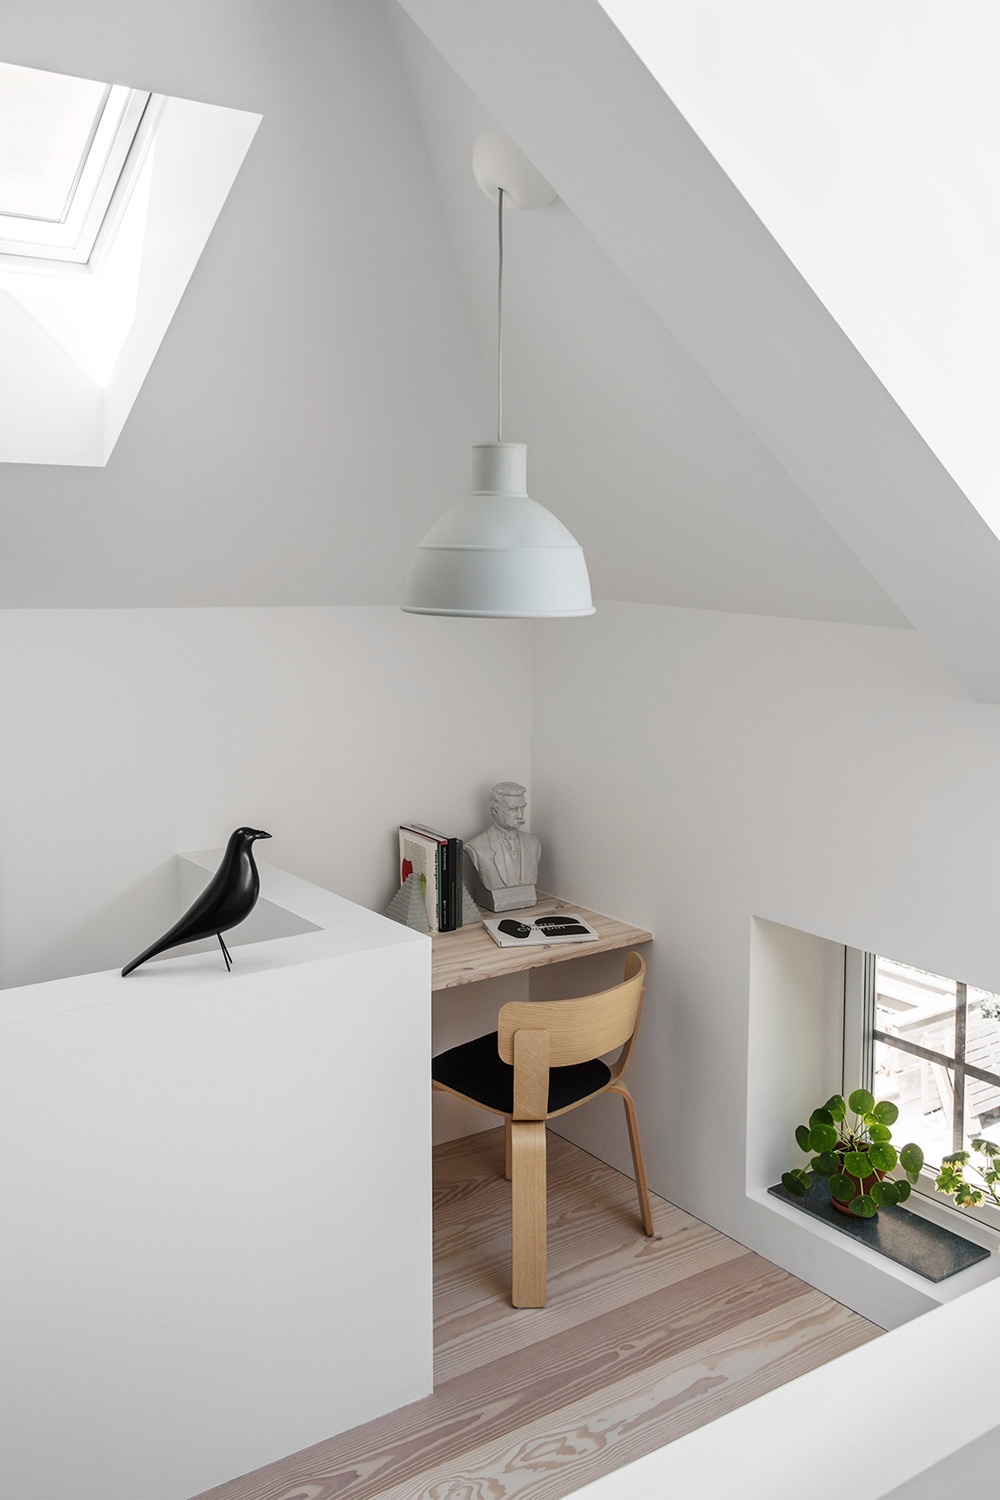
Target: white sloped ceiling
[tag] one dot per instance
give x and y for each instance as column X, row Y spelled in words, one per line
column 673, row 496
column 565, row 84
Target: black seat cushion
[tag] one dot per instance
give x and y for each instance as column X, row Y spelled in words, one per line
column 476, row 1070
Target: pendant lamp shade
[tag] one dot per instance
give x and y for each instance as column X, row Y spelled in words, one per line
column 498, row 553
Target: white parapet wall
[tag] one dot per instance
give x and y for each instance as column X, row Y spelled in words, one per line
column 920, row 1397
column 217, row 1204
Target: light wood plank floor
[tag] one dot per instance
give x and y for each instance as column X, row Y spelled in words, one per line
column 642, row 1340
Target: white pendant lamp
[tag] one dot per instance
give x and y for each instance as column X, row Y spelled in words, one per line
column 498, row 552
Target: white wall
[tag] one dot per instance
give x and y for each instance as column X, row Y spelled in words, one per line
column 197, row 1274
column 971, row 1470
column 936, row 1403
column 130, row 735
column 693, row 771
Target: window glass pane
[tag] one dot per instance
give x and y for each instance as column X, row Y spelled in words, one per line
column 980, row 1118
column 924, row 1094
column 46, row 124
column 915, row 1005
column 982, row 1049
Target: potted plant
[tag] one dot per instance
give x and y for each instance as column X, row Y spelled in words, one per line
column 855, row 1155
column 951, row 1178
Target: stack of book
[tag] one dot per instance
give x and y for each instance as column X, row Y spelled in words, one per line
column 438, row 858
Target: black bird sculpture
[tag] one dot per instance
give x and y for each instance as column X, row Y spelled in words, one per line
column 227, row 900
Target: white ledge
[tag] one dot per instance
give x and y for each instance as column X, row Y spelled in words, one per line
column 294, row 922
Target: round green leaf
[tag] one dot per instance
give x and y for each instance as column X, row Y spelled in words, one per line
column 862, row 1102
column 885, row 1194
column 822, row 1137
column 825, row 1164
column 837, row 1107
column 820, row 1117
column 802, row 1137
column 911, row 1159
column 864, row 1207
column 794, row 1184
column 858, row 1164
column 882, row 1156
column 842, row 1188
column 886, row 1112
column 902, row 1190
column 880, row 1132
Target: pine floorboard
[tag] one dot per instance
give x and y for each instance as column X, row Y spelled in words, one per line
column 642, row 1340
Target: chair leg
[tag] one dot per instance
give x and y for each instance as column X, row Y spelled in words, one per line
column 506, row 1146
column 637, row 1163
column 528, row 1213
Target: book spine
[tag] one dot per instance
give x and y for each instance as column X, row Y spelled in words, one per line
column 448, row 875
column 444, row 894
column 455, row 882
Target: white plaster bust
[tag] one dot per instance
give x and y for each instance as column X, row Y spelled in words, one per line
column 504, row 855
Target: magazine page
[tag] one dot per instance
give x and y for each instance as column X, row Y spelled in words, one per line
column 565, row 927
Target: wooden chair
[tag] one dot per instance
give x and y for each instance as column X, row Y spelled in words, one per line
column 543, row 1060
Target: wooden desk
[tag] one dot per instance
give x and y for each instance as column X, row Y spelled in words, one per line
column 470, row 954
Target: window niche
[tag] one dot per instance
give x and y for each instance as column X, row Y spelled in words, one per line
column 815, row 1031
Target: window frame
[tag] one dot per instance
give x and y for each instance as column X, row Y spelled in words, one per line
column 860, row 1037
column 114, row 156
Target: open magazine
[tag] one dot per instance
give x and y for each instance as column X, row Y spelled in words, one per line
column 566, row 927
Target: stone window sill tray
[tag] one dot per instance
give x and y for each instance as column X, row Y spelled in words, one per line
column 921, row 1246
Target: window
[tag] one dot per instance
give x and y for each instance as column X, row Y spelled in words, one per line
column 107, row 197
column 69, row 151
column 932, row 1046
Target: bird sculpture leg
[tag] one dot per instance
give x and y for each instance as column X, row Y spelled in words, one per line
column 225, row 952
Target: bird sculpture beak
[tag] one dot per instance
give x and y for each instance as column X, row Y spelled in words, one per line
column 261, row 834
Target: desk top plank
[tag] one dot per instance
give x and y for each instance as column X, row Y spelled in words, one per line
column 470, row 954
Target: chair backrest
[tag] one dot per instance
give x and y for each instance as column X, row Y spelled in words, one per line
column 578, row 1029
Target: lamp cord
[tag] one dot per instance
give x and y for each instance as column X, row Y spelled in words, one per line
column 499, row 314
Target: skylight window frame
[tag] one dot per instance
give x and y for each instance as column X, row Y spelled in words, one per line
column 60, row 218
column 114, row 157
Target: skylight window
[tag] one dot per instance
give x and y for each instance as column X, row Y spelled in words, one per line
column 70, row 149
column 108, row 195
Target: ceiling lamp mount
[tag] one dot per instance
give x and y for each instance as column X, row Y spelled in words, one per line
column 500, row 166
column 498, row 553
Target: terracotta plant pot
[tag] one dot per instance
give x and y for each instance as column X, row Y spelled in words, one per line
column 864, row 1185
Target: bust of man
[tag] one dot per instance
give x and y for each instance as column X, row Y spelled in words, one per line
column 504, row 856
